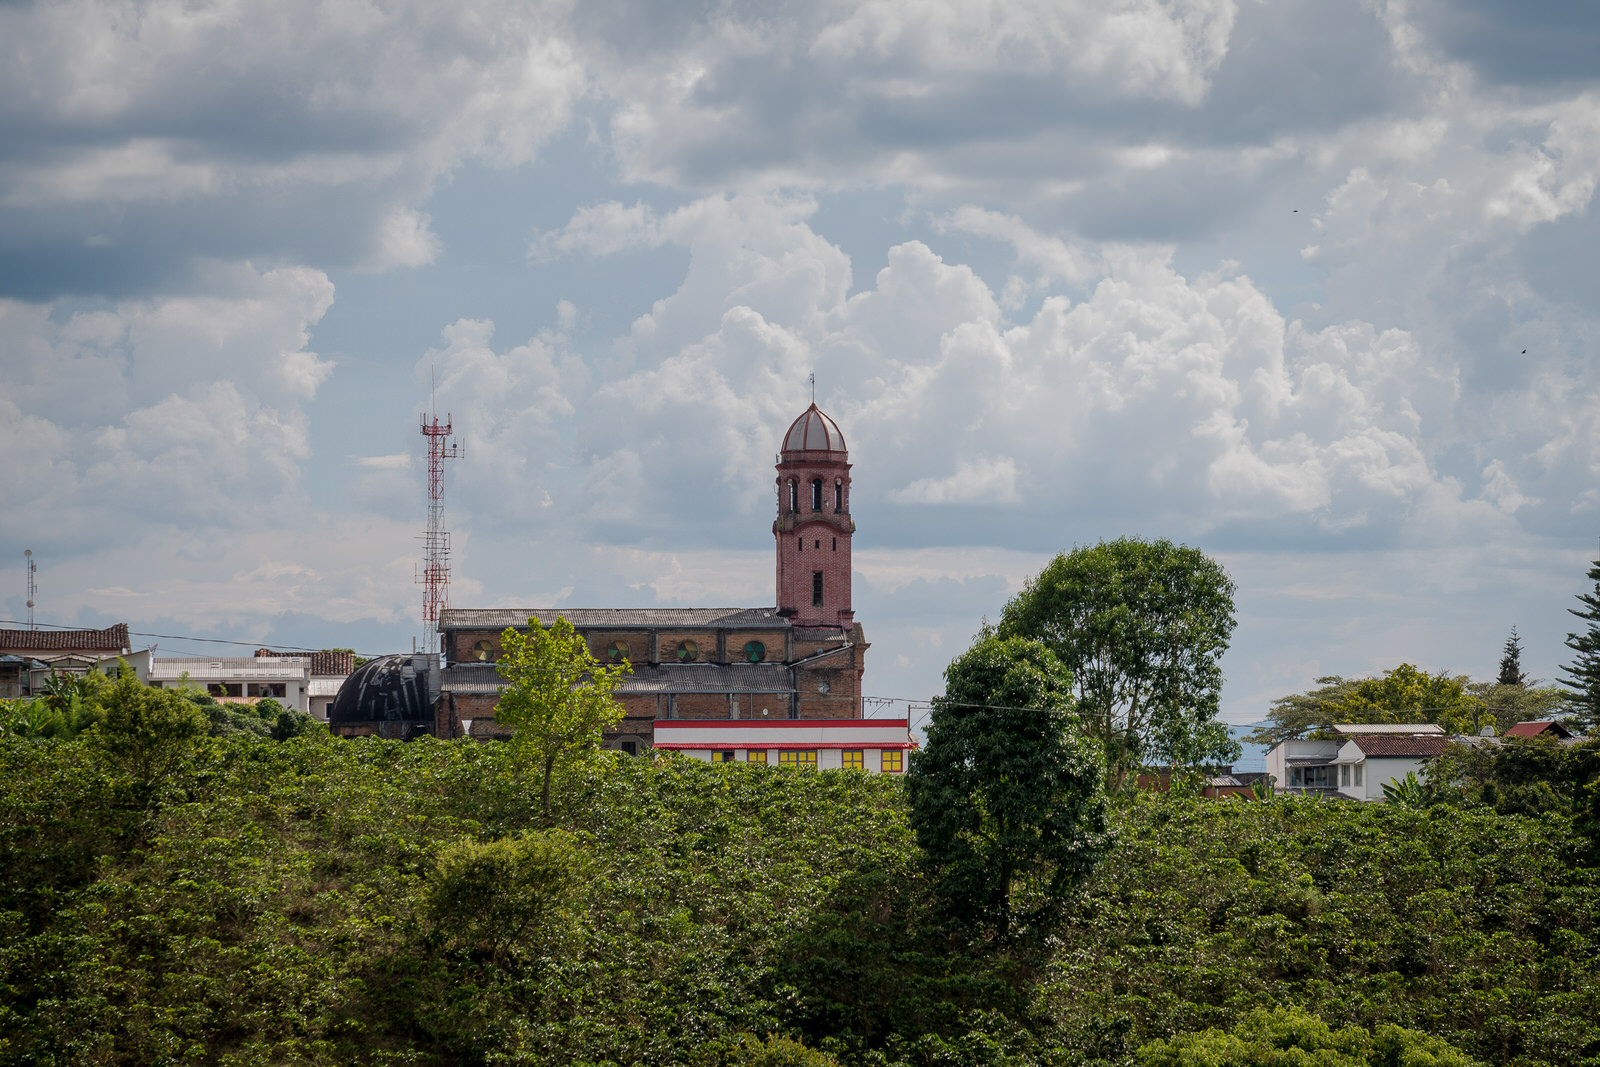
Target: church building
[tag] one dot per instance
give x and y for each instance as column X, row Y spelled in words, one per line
column 777, row 684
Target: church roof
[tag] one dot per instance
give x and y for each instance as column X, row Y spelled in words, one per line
column 616, row 618
column 813, row 432
column 463, row 678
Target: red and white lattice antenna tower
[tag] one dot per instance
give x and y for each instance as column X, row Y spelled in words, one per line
column 434, row 577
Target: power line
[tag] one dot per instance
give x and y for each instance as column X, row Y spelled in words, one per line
column 185, row 637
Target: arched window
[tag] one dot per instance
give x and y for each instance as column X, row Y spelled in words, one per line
column 838, row 494
column 816, row 494
column 794, row 495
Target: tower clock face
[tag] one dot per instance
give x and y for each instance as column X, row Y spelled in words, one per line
column 688, row 652
column 617, row 652
column 755, row 651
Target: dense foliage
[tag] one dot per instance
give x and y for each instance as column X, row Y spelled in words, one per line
column 1583, row 673
column 70, row 704
column 1142, row 626
column 1007, row 799
column 323, row 901
column 1407, row 694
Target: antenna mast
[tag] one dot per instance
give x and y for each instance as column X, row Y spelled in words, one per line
column 27, row 554
column 435, row 574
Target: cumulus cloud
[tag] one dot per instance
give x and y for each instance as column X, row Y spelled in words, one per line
column 184, row 411
column 141, row 140
column 1189, row 403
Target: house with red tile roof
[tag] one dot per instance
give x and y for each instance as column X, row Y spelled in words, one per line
column 1357, row 761
column 1543, row 728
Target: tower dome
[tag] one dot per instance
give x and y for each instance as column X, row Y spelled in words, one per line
column 813, row 432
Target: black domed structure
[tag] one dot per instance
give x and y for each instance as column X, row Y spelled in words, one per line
column 387, row 689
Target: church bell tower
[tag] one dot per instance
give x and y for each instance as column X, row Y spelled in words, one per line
column 814, row 527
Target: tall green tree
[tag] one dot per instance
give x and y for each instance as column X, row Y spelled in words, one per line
column 1511, row 672
column 558, row 701
column 1007, row 793
column 1583, row 673
column 1142, row 626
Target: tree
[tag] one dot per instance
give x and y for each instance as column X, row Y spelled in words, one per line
column 1007, row 789
column 1407, row 792
column 558, row 701
column 148, row 731
column 1400, row 695
column 1142, row 626
column 490, row 894
column 1301, row 713
column 1281, row 1037
column 1511, row 662
column 1583, row 673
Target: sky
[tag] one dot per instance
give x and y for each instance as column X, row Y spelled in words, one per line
column 1310, row 285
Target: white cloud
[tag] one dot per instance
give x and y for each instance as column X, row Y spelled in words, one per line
column 399, row 461
column 978, row 481
column 184, row 410
column 312, row 130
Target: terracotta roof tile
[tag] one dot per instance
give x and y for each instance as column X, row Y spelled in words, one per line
column 1535, row 729
column 326, row 663
column 1391, row 745
column 111, row 639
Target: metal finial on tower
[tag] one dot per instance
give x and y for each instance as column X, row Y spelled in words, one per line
column 27, row 554
column 435, row 574
column 813, row 387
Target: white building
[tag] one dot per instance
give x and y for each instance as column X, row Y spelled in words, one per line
column 240, row 680
column 878, row 745
column 1357, row 762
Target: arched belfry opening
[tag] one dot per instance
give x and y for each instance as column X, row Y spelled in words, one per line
column 814, row 579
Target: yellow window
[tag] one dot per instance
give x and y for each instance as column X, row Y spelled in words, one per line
column 756, row 755
column 724, row 756
column 797, row 757
column 854, row 758
column 893, row 762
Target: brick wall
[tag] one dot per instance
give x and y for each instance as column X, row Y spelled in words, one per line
column 638, row 642
column 811, row 541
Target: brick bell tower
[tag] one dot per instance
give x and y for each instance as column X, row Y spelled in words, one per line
column 813, row 527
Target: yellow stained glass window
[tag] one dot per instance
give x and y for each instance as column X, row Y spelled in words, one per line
column 756, row 755
column 853, row 758
column 893, row 762
column 797, row 757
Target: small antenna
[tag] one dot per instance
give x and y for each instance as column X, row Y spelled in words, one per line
column 27, row 554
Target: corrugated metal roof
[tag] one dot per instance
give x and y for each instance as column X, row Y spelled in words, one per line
column 613, row 618
column 1405, row 728
column 709, row 678
column 324, row 687
column 1389, row 745
column 666, row 678
column 275, row 668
